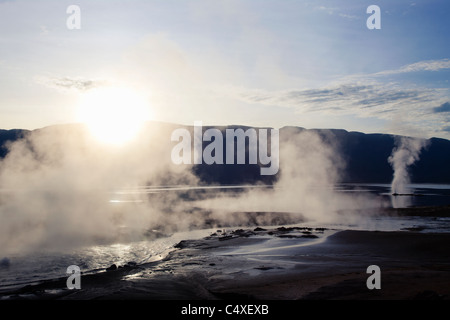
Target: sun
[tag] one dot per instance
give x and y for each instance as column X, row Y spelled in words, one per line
column 114, row 115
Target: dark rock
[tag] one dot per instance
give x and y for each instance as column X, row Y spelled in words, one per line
column 288, row 236
column 226, row 238
column 181, row 245
column 312, row 236
column 242, row 233
column 289, row 229
column 259, row 229
column 112, row 268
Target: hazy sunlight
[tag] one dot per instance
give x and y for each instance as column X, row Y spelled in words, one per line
column 113, row 115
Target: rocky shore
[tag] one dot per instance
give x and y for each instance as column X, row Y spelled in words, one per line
column 278, row 263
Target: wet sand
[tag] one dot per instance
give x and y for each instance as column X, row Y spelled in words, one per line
column 275, row 264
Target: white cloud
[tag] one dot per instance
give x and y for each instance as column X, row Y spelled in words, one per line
column 364, row 96
column 336, row 11
column 70, row 83
column 385, row 101
column 427, row 65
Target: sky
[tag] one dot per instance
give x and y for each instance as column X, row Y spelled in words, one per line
column 276, row 63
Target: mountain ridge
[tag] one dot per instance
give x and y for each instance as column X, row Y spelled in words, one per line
column 365, row 156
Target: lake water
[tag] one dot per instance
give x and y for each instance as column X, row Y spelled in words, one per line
column 19, row 269
column 418, row 195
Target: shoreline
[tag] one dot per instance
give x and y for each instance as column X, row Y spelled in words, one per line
column 283, row 263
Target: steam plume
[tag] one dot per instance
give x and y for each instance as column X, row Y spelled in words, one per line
column 57, row 185
column 405, row 153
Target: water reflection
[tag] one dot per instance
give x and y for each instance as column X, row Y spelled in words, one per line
column 416, row 195
column 401, row 201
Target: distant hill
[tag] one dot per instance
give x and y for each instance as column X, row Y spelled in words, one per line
column 365, row 157
column 9, row 136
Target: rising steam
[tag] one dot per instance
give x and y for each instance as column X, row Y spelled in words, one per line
column 57, row 185
column 310, row 167
column 405, row 153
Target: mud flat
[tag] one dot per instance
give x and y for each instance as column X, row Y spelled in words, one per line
column 279, row 263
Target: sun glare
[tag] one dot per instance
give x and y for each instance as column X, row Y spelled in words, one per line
column 113, row 115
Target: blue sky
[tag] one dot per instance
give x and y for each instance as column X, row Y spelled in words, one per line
column 273, row 63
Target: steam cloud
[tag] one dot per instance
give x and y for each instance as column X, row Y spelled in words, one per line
column 309, row 169
column 405, row 153
column 56, row 187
